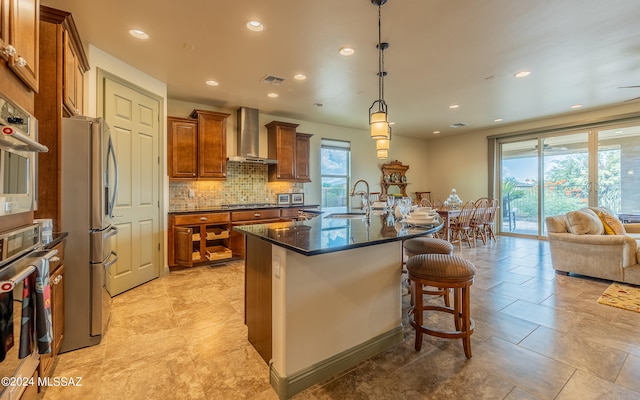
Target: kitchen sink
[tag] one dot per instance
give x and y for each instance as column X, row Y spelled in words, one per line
column 345, row 215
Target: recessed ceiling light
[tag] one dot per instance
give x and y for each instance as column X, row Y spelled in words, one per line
column 138, row 34
column 273, row 95
column 391, row 123
column 212, row 83
column 498, row 120
column 347, row 51
column 300, row 77
column 436, row 132
column 454, row 106
column 255, row 26
column 522, row 74
column 576, row 106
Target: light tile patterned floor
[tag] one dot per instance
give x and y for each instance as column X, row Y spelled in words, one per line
column 538, row 336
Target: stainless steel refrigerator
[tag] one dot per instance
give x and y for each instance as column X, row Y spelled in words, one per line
column 89, row 175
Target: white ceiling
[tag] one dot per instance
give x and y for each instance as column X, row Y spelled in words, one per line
column 442, row 52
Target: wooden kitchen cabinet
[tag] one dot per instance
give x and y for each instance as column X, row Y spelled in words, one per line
column 212, row 144
column 20, row 40
column 282, row 147
column 4, row 29
column 303, row 152
column 198, row 238
column 58, row 34
column 56, row 284
column 73, row 75
column 182, row 143
column 197, row 146
column 248, row 217
column 291, row 149
column 290, row 213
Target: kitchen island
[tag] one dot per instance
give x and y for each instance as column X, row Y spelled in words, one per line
column 323, row 295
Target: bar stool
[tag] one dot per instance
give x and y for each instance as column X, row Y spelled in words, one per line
column 428, row 245
column 448, row 272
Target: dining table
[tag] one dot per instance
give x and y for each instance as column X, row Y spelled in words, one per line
column 447, row 214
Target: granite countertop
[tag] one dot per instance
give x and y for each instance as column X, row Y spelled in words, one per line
column 324, row 234
column 237, row 207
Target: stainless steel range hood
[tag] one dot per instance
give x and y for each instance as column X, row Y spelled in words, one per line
column 249, row 138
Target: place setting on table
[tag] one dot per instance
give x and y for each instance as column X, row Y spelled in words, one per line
column 404, row 211
column 422, row 216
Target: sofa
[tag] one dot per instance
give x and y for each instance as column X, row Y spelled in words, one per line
column 593, row 242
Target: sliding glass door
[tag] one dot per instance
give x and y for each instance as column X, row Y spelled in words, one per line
column 565, row 171
column 519, row 187
column 550, row 174
column 618, row 180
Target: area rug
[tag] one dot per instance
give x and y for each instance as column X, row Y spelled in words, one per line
column 621, row 296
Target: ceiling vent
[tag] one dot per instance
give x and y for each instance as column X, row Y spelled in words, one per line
column 273, row 80
column 458, row 125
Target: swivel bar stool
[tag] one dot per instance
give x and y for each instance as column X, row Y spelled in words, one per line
column 428, row 245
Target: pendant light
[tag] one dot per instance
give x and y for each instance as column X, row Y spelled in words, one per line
column 378, row 115
column 382, row 148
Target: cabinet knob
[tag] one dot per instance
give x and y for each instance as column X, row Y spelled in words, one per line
column 203, row 218
column 257, row 215
column 9, row 50
column 193, row 174
column 54, row 259
column 57, row 279
column 21, row 62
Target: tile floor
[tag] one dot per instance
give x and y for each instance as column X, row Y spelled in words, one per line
column 538, row 336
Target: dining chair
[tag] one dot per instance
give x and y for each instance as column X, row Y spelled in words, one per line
column 423, row 195
column 478, row 219
column 490, row 219
column 437, row 204
column 425, row 203
column 461, row 227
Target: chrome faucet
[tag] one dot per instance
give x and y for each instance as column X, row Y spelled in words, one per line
column 367, row 206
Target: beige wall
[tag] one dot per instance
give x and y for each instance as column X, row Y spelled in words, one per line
column 461, row 161
column 365, row 165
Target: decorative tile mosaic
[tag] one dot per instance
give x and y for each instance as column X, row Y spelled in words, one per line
column 246, row 184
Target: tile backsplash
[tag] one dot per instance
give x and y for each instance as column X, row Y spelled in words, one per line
column 246, row 183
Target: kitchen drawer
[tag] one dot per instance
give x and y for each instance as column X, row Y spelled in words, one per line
column 290, row 212
column 58, row 259
column 255, row 215
column 204, row 218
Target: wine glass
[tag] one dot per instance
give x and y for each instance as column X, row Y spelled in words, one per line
column 405, row 207
column 390, row 202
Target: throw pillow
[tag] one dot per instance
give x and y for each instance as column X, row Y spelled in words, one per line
column 584, row 222
column 607, row 228
column 610, row 220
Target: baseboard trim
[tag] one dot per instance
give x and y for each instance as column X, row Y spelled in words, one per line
column 287, row 386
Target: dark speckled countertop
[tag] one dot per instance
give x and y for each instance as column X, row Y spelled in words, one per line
column 56, row 238
column 236, row 207
column 324, row 234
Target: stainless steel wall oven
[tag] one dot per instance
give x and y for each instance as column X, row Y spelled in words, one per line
column 18, row 159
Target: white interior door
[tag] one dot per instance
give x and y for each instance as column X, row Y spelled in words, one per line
column 134, row 120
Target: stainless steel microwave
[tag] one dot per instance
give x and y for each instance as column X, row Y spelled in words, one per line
column 18, row 158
